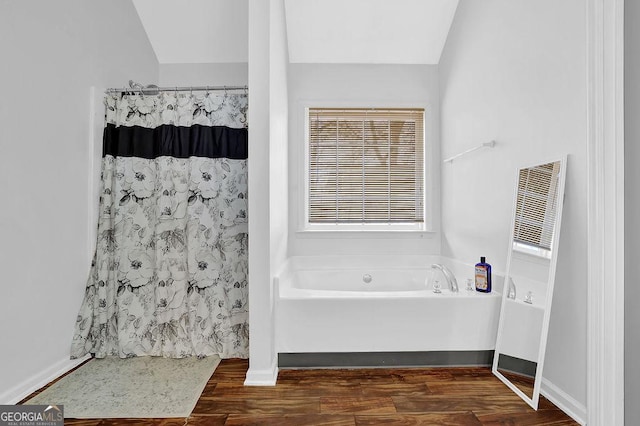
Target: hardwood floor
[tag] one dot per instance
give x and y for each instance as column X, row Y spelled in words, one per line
column 397, row 396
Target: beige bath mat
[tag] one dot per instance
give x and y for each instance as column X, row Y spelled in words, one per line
column 142, row 387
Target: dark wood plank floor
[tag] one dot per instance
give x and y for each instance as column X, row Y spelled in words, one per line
column 405, row 396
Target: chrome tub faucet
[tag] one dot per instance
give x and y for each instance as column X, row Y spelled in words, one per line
column 448, row 275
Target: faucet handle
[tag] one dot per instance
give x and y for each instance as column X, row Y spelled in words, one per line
column 436, row 287
column 470, row 286
column 528, row 298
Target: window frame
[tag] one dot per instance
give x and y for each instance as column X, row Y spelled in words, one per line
column 413, row 228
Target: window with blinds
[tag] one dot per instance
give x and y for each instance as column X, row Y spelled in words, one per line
column 366, row 166
column 536, row 206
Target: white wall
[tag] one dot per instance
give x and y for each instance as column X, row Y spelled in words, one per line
column 515, row 72
column 267, row 179
column 632, row 206
column 195, row 31
column 368, row 31
column 349, row 85
column 52, row 53
column 279, row 137
column 210, row 74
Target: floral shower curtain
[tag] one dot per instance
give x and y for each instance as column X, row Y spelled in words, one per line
column 169, row 275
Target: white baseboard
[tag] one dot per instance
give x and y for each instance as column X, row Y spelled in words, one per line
column 39, row 380
column 266, row 377
column 564, row 401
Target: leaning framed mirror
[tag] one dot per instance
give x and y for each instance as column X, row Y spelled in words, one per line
column 530, row 278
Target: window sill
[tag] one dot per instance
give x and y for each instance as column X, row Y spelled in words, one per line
column 370, row 233
column 534, row 252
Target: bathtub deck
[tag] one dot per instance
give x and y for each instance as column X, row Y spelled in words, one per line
column 454, row 396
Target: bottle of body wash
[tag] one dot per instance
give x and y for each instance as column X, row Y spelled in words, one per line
column 483, row 276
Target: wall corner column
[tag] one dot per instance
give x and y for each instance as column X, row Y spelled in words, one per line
column 262, row 358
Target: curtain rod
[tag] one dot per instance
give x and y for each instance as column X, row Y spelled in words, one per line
column 155, row 90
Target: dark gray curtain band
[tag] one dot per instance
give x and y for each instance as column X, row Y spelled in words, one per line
column 175, row 141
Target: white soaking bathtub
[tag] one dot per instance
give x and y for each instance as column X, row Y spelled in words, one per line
column 324, row 304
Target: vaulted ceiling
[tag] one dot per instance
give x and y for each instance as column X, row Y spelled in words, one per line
column 368, row 31
column 318, row 31
column 196, row 31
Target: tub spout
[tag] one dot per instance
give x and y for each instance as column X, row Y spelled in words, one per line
column 511, row 294
column 448, row 275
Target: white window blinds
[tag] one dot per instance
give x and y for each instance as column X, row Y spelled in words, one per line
column 536, row 205
column 366, row 165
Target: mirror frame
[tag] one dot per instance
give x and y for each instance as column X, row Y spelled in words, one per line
column 533, row 400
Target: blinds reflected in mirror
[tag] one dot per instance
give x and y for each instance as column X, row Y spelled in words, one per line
column 366, row 165
column 536, row 206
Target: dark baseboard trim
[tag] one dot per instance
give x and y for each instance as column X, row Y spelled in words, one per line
column 385, row 359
